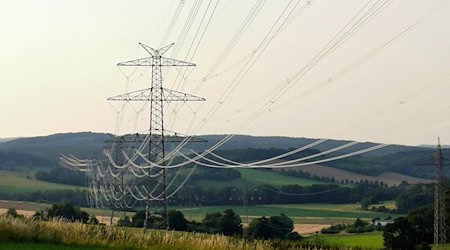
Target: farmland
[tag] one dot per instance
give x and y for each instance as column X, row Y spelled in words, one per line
column 254, row 177
column 370, row 240
column 300, row 213
column 12, row 182
column 389, row 178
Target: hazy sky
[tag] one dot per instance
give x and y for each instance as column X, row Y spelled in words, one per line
column 58, row 65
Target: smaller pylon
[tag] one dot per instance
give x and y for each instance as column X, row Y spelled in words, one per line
column 439, row 203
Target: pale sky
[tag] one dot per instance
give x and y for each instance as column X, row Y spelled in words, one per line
column 58, row 65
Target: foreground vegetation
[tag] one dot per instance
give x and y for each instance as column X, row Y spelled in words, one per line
column 42, row 246
column 84, row 235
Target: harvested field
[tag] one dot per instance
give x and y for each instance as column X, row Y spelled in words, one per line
column 339, row 174
column 309, row 229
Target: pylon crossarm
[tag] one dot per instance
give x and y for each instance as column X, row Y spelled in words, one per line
column 156, row 52
column 164, row 49
column 174, row 62
column 139, row 95
column 175, row 96
column 146, row 61
column 149, row 49
column 145, row 95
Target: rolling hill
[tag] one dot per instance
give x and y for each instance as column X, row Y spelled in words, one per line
column 406, row 160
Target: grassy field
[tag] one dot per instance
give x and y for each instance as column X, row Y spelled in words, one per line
column 253, row 177
column 370, row 240
column 21, row 184
column 300, row 213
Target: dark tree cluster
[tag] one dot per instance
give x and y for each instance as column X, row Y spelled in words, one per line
column 195, row 195
column 274, row 227
column 62, row 175
column 414, row 197
column 65, row 211
column 76, row 197
column 226, row 223
column 416, row 230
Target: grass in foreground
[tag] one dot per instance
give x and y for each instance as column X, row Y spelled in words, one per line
column 41, row 246
column 82, row 235
column 94, row 237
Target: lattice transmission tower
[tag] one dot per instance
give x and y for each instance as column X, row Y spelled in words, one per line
column 439, row 202
column 157, row 96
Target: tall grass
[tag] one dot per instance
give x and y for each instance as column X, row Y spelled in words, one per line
column 77, row 234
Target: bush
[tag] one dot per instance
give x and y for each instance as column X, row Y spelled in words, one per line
column 360, row 226
column 334, row 229
column 274, row 227
column 64, row 211
column 12, row 213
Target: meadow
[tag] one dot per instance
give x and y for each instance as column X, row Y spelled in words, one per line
column 14, row 184
column 75, row 235
column 23, row 182
column 369, row 240
column 255, row 177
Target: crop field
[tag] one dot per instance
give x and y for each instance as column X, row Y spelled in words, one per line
column 339, row 174
column 21, row 184
column 369, row 240
column 300, row 213
column 253, row 177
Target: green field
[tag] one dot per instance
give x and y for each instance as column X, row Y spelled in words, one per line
column 301, row 213
column 21, row 184
column 254, row 177
column 371, row 240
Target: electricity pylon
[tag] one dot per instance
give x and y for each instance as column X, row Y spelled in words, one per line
column 439, row 203
column 157, row 96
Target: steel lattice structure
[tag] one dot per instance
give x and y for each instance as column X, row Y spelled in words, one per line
column 157, row 96
column 133, row 168
column 439, row 202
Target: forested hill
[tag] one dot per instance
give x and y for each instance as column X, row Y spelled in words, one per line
column 89, row 144
column 84, row 144
column 45, row 150
column 247, row 141
column 17, row 160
